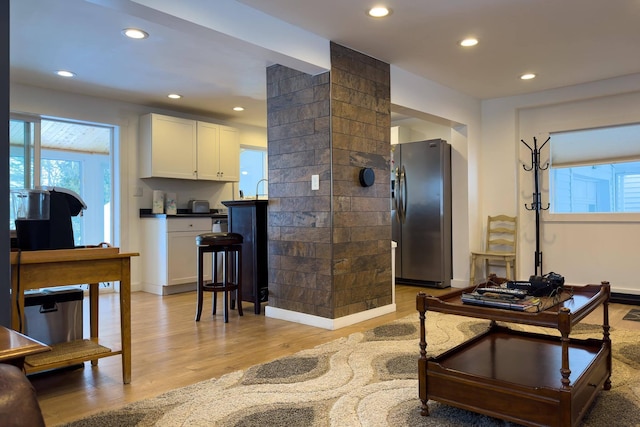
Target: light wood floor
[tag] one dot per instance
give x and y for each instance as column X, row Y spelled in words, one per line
column 170, row 350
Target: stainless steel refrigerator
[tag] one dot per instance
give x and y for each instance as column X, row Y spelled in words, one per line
column 421, row 213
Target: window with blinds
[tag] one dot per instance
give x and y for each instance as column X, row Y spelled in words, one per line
column 595, row 170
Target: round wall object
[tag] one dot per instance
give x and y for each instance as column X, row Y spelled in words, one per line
column 367, row 177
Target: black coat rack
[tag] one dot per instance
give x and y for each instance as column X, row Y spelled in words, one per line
column 536, row 204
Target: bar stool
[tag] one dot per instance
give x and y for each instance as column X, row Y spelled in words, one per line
column 230, row 246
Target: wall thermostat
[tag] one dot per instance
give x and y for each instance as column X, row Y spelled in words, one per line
column 367, row 177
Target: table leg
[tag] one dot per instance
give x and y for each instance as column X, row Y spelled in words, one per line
column 564, row 322
column 94, row 292
column 125, row 319
column 422, row 361
column 606, row 337
column 17, row 303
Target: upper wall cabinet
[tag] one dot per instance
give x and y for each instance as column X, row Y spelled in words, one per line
column 172, row 147
column 218, row 151
column 167, row 147
column 229, row 154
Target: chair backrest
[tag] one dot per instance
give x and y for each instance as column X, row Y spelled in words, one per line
column 502, row 232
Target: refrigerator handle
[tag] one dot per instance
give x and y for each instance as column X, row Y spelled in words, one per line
column 395, row 191
column 401, row 194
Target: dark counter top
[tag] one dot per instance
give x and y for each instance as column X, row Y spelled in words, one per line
column 246, row 202
column 184, row 213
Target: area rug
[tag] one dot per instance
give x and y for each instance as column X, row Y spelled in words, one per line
column 365, row 379
column 633, row 314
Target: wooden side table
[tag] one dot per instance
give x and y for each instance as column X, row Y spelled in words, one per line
column 14, row 347
column 63, row 267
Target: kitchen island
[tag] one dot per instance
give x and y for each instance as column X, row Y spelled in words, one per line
column 249, row 218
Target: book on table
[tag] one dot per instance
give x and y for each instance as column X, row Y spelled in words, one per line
column 527, row 303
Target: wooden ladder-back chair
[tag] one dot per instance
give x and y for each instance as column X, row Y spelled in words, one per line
column 500, row 246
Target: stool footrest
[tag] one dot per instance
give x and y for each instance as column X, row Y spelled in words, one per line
column 220, row 286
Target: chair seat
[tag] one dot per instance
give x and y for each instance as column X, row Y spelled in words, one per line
column 497, row 255
column 218, row 239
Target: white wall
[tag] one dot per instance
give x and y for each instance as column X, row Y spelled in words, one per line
column 104, row 111
column 582, row 251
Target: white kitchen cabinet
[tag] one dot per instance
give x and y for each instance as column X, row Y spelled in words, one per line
column 167, row 147
column 171, row 147
column 218, row 152
column 208, row 151
column 169, row 253
column 229, row 153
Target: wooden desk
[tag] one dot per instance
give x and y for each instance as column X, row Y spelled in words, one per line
column 14, row 347
column 63, row 267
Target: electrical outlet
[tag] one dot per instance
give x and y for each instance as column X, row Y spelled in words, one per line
column 315, row 182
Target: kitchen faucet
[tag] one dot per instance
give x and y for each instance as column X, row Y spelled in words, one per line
column 258, row 185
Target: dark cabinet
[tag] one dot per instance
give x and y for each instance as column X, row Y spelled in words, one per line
column 249, row 218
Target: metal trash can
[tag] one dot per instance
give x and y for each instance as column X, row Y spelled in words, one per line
column 53, row 316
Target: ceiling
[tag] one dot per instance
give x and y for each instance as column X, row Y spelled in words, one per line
column 565, row 42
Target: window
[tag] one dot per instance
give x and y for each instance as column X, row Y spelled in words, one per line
column 24, row 134
column 253, row 168
column 600, row 188
column 45, row 152
column 596, row 170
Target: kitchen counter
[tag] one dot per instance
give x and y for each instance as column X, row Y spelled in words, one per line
column 245, row 202
column 184, row 213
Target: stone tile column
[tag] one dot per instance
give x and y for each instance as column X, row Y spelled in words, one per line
column 329, row 250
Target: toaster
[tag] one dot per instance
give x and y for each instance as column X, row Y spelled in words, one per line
column 199, row 206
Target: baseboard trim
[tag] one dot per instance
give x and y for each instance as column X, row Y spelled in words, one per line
column 169, row 289
column 323, row 322
column 622, row 298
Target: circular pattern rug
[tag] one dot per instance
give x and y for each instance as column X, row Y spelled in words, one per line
column 365, row 379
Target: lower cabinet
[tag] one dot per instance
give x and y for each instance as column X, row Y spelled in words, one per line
column 169, row 254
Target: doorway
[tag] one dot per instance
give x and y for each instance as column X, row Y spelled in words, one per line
column 76, row 156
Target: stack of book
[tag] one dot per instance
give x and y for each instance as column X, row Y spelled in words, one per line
column 501, row 298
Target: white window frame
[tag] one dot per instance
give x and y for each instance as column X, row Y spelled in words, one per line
column 587, row 217
column 265, row 167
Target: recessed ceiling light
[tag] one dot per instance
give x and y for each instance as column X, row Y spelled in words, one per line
column 134, row 33
column 64, row 73
column 469, row 42
column 379, row 12
column 238, row 108
column 174, row 96
column 528, row 76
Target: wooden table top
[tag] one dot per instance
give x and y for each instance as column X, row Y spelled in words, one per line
column 14, row 345
column 62, row 255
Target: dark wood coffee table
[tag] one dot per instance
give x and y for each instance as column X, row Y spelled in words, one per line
column 528, row 378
